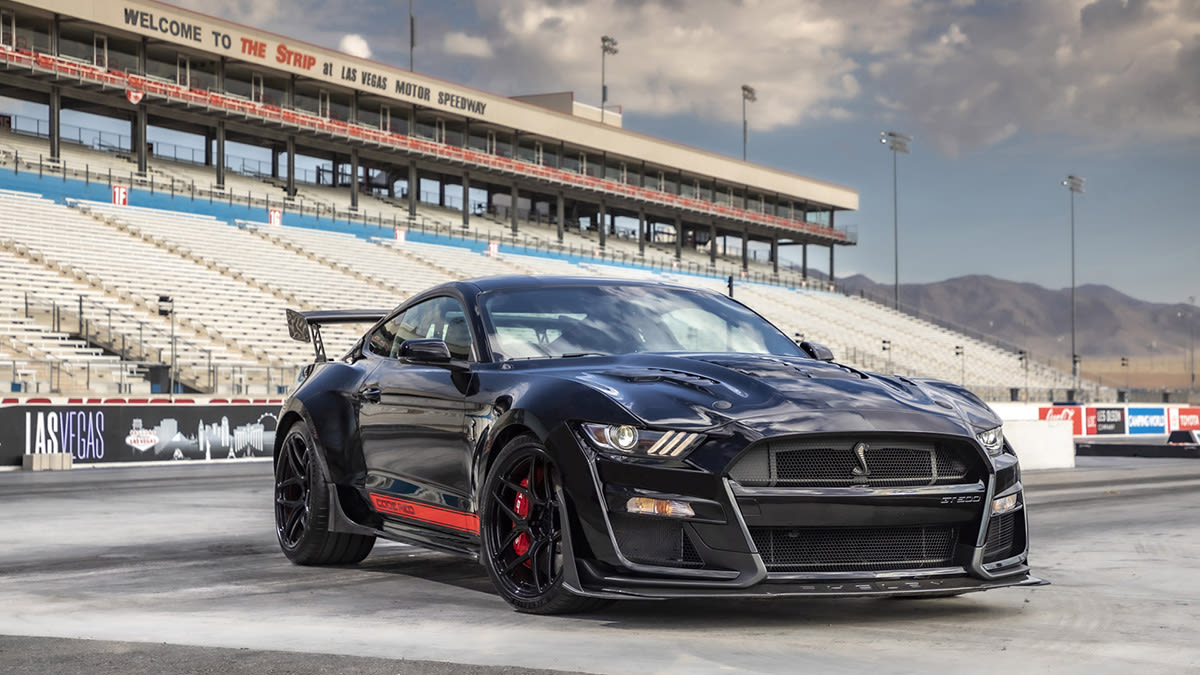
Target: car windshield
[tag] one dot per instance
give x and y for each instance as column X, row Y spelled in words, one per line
column 564, row 321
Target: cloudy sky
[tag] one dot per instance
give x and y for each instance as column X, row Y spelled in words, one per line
column 1003, row 98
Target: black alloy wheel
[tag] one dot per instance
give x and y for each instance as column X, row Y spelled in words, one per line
column 522, row 530
column 302, row 508
column 292, row 491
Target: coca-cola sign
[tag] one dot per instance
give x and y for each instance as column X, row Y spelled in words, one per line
column 1071, row 413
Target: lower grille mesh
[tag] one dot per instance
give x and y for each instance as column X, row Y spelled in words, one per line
column 1000, row 537
column 837, row 549
column 654, row 541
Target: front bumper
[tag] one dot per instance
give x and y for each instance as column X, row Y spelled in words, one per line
column 936, row 540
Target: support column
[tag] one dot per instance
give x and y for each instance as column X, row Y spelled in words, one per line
column 804, row 261
column 466, row 199
column 642, row 235
column 712, row 244
column 775, row 254
column 512, row 208
column 441, row 190
column 220, row 158
column 55, row 122
column 831, row 277
column 745, row 248
column 602, row 219
column 291, row 166
column 561, row 213
column 141, row 137
column 678, row 238
column 209, row 138
column 414, row 187
column 354, row 178
column 275, row 161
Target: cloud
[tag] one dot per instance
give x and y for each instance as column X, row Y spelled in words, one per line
column 461, row 44
column 958, row 74
column 355, row 45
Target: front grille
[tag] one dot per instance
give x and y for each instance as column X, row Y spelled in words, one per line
column 854, row 549
column 1001, row 537
column 835, row 462
column 654, row 541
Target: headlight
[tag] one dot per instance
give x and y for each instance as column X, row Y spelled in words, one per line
column 626, row 440
column 992, row 440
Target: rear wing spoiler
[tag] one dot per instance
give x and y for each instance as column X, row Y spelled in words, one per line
column 306, row 326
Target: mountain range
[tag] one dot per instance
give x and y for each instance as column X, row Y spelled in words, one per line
column 1109, row 324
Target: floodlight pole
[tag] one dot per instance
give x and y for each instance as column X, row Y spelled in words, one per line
column 748, row 95
column 897, row 143
column 412, row 34
column 608, row 45
column 1073, row 184
column 1191, row 347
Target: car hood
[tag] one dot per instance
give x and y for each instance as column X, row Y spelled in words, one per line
column 776, row 394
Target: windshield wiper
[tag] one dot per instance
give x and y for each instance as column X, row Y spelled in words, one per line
column 575, row 354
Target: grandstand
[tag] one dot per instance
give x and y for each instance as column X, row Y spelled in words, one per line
column 533, row 191
column 232, row 280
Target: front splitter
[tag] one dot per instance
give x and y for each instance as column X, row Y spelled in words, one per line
column 845, row 589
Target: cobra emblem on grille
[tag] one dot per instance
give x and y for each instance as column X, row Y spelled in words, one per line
column 862, row 471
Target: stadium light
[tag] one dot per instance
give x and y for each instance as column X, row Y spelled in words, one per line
column 1074, row 184
column 1192, row 347
column 412, row 34
column 961, row 353
column 608, row 45
column 748, row 96
column 1023, row 357
column 166, row 307
column 1190, row 317
column 897, row 143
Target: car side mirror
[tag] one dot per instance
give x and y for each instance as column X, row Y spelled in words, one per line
column 817, row 351
column 425, row 350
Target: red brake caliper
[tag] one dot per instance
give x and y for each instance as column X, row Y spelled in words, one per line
column 521, row 508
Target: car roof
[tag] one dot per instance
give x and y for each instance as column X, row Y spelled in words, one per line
column 483, row 284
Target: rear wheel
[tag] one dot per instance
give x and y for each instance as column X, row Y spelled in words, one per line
column 302, row 508
column 521, row 528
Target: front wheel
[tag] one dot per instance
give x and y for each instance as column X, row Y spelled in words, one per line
column 521, row 528
column 302, row 508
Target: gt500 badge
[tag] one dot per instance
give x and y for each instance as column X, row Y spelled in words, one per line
column 963, row 499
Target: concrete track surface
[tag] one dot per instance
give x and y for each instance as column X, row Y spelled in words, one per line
column 175, row 569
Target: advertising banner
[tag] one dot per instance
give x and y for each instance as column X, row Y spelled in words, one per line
column 1147, row 421
column 130, row 433
column 1186, row 419
column 1072, row 413
column 1105, row 421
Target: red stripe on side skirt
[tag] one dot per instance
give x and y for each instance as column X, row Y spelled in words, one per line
column 426, row 513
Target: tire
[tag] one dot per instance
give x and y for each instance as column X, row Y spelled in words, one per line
column 302, row 508
column 521, row 521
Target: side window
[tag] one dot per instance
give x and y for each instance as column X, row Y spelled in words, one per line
column 435, row 318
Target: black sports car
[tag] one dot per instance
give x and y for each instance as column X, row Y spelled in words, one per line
column 592, row 439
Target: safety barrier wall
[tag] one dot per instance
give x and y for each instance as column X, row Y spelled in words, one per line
column 1042, row 444
column 114, row 430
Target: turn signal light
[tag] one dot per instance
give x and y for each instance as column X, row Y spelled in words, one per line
column 1004, row 504
column 670, row 508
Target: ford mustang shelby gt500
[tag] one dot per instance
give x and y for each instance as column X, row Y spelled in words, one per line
column 591, row 439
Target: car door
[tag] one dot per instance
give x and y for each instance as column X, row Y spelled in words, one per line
column 412, row 421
